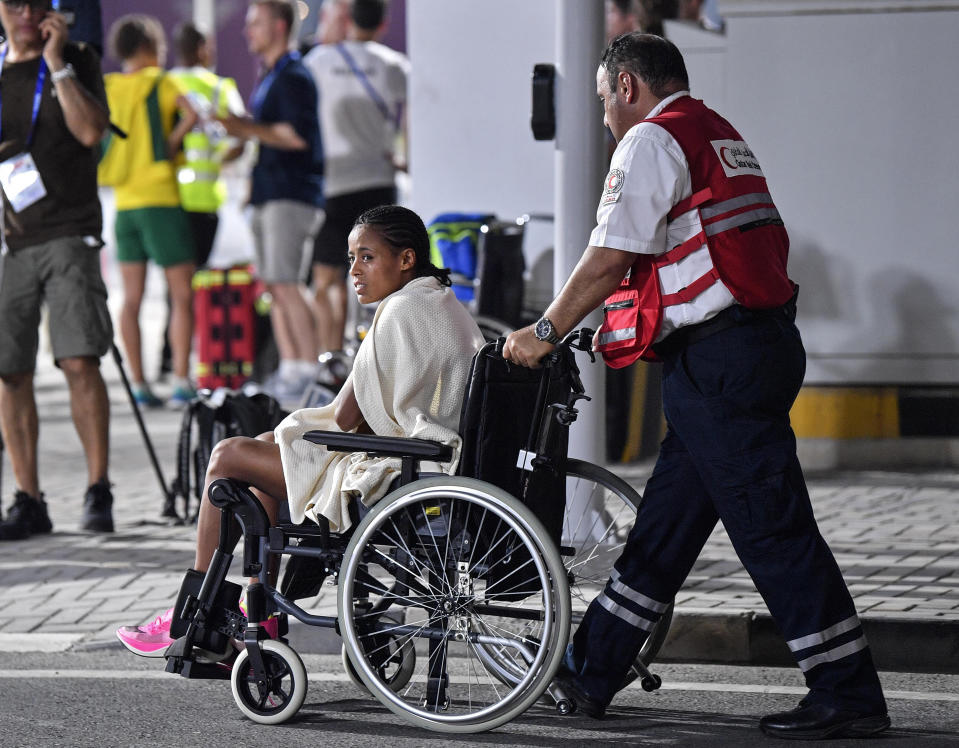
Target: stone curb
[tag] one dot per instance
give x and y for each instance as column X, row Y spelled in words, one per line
column 748, row 638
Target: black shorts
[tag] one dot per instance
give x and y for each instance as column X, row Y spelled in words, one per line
column 330, row 248
column 203, row 226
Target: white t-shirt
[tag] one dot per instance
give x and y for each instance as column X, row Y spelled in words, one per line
column 648, row 176
column 359, row 128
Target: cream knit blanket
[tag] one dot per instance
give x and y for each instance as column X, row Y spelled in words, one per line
column 409, row 376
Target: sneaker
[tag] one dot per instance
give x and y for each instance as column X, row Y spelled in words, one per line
column 150, row 640
column 290, row 392
column 181, row 397
column 97, row 504
column 28, row 516
column 271, row 626
column 144, row 397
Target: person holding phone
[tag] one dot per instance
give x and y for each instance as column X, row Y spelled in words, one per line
column 54, row 113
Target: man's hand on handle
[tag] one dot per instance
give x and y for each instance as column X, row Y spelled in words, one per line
column 524, row 348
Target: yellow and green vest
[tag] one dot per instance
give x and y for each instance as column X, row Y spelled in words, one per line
column 198, row 166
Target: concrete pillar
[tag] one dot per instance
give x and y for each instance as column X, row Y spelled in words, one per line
column 580, row 166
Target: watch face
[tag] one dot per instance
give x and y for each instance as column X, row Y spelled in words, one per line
column 544, row 329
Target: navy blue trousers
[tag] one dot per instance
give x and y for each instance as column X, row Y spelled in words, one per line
column 730, row 455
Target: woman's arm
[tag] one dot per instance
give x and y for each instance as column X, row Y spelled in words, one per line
column 347, row 414
column 188, row 119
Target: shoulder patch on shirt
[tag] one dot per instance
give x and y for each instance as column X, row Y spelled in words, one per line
column 613, row 186
column 737, row 158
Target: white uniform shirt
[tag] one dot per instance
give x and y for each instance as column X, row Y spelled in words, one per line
column 648, row 176
column 358, row 138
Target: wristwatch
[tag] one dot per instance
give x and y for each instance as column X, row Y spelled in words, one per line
column 545, row 331
column 66, row 71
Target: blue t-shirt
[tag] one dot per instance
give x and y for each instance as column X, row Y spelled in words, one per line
column 288, row 94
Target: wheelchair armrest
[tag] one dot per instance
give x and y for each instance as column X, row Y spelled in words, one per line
column 381, row 446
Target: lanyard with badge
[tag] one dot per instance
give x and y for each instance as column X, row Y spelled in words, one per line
column 19, row 175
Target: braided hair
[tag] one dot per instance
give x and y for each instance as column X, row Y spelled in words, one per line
column 402, row 229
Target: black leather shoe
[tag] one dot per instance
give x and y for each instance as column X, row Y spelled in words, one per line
column 818, row 721
column 581, row 701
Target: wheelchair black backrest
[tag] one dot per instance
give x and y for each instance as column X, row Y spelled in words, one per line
column 506, row 441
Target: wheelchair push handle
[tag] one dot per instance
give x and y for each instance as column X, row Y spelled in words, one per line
column 580, row 340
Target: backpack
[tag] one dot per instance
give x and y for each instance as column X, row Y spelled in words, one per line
column 115, row 158
column 213, row 416
column 529, row 463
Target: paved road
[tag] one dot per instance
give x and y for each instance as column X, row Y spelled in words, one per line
column 894, row 535
column 107, row 698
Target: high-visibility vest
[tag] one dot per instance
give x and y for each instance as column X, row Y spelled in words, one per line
column 741, row 229
column 198, row 172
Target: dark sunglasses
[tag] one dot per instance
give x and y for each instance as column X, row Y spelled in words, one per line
column 18, row 5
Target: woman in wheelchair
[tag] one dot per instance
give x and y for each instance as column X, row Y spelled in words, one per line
column 408, row 380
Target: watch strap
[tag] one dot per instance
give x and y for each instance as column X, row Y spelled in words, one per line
column 66, row 71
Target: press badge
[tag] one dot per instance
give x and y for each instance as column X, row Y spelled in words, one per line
column 21, row 181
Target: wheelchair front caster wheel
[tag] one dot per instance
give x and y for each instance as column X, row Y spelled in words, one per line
column 564, row 707
column 651, row 682
column 282, row 692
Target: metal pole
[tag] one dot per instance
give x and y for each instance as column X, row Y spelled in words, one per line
column 204, row 15
column 169, row 509
column 579, row 176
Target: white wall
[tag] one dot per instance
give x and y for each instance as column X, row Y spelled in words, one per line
column 471, row 148
column 853, row 118
column 850, row 106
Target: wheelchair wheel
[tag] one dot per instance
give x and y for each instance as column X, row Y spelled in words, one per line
column 484, row 592
column 492, row 328
column 396, row 668
column 600, row 512
column 285, row 689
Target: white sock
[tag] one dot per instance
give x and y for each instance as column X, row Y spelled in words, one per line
column 181, row 383
column 286, row 369
column 305, row 368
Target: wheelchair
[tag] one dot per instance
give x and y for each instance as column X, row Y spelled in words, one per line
column 455, row 593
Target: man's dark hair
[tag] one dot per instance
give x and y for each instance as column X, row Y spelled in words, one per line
column 368, row 14
column 402, row 229
column 187, row 40
column 133, row 32
column 654, row 60
column 282, row 9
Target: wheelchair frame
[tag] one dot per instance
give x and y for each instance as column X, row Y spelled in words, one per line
column 442, row 564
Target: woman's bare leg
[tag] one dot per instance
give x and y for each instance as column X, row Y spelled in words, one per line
column 252, row 461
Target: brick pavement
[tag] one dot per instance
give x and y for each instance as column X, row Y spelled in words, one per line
column 893, row 533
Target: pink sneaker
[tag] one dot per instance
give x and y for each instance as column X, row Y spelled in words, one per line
column 271, row 626
column 150, row 640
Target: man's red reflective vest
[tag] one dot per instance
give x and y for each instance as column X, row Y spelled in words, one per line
column 741, row 229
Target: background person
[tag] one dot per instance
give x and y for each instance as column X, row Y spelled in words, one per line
column 682, row 179
column 408, row 379
column 50, row 253
column 334, row 21
column 148, row 104
column 362, row 115
column 205, row 147
column 287, row 189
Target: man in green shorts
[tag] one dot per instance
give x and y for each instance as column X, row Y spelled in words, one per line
column 54, row 114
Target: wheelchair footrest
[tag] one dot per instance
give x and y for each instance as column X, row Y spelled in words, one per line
column 215, row 621
column 189, row 668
